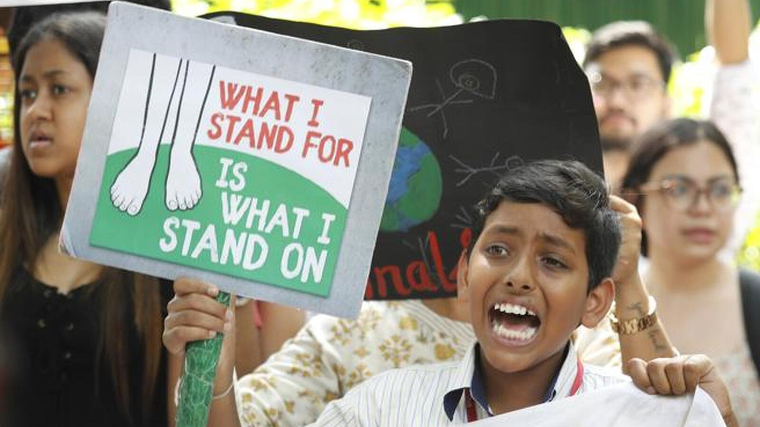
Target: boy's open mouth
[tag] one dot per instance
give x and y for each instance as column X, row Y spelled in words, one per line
column 513, row 322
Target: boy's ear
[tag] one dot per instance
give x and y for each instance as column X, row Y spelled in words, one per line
column 598, row 303
column 463, row 287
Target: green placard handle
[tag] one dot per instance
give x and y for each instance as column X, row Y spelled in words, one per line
column 201, row 358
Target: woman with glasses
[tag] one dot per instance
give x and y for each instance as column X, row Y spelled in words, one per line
column 684, row 180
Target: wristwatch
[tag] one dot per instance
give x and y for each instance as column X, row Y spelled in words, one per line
column 627, row 327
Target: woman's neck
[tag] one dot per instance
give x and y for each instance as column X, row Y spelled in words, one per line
column 62, row 271
column 666, row 272
column 63, row 187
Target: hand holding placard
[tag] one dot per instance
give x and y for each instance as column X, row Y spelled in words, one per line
column 197, row 325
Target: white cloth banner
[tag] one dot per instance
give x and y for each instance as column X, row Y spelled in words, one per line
column 621, row 405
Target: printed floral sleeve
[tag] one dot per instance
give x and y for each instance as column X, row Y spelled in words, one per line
column 598, row 346
column 735, row 109
column 293, row 386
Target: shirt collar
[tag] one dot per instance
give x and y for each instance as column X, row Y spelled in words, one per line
column 468, row 376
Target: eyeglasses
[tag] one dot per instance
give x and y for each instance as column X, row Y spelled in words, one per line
column 683, row 193
column 634, row 88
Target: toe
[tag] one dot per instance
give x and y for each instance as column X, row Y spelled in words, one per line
column 117, row 199
column 171, row 200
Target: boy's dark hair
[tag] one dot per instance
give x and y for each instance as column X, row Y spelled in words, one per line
column 658, row 141
column 574, row 192
column 632, row 33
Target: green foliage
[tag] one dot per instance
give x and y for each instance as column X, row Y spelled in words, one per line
column 355, row 14
column 577, row 38
column 749, row 256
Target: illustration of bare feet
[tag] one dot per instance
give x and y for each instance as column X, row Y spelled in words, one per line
column 183, row 182
column 131, row 185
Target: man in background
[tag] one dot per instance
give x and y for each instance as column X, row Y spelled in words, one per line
column 629, row 66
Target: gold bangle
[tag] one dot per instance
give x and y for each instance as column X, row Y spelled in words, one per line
column 628, row 327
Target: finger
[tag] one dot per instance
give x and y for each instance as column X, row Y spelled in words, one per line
column 198, row 303
column 186, row 285
column 624, row 208
column 637, row 370
column 656, row 372
column 695, row 368
column 619, row 205
column 176, row 339
column 674, row 371
column 230, row 315
column 194, row 319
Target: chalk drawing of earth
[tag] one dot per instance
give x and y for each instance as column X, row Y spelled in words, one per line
column 416, row 185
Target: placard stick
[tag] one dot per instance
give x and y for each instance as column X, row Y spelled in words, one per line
column 201, row 358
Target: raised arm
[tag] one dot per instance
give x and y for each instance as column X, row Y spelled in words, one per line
column 733, row 106
column 631, row 296
column 727, row 25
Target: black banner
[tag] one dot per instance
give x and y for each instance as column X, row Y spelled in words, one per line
column 485, row 97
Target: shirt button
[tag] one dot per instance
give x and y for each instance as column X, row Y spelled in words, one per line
column 48, row 293
column 41, row 323
column 67, row 355
column 70, row 326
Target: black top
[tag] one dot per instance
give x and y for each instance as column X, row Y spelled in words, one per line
column 750, row 289
column 52, row 340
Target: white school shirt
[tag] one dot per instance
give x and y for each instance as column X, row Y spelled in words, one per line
column 415, row 396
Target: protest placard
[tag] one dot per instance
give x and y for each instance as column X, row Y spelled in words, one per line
column 484, row 97
column 254, row 161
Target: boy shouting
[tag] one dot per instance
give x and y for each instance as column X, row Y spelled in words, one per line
column 544, row 246
column 543, row 250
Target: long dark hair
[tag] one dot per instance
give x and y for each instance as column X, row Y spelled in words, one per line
column 30, row 214
column 657, row 142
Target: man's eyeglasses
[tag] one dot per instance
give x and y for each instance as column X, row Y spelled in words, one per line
column 634, row 88
column 682, row 193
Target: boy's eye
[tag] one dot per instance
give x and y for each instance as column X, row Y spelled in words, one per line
column 60, row 90
column 553, row 262
column 497, row 250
